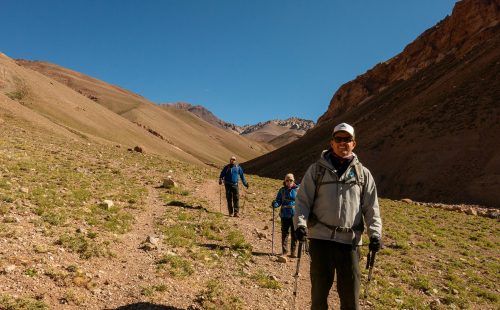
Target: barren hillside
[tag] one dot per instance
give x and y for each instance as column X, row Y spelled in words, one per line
column 180, row 131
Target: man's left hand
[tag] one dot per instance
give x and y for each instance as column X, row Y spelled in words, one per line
column 247, row 185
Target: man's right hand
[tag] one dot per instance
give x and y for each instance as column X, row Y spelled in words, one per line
column 301, row 233
column 375, row 244
column 220, row 182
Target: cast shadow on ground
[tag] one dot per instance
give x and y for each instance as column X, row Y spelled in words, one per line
column 146, row 306
column 176, row 203
column 213, row 246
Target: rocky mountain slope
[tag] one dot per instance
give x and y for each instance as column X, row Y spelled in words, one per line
column 204, row 114
column 275, row 132
column 431, row 134
column 454, row 36
column 93, row 107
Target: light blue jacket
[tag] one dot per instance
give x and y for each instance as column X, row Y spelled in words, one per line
column 286, row 199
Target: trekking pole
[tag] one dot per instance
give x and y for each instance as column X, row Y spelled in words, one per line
column 296, row 276
column 244, row 200
column 370, row 261
column 220, row 198
column 272, row 238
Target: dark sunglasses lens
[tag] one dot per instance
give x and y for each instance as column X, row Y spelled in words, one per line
column 342, row 139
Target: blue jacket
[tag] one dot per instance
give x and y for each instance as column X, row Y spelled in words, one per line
column 286, row 199
column 230, row 175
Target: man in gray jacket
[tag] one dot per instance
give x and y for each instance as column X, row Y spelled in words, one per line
column 337, row 196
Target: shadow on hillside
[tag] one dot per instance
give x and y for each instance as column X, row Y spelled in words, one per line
column 146, row 306
column 176, row 203
column 213, row 246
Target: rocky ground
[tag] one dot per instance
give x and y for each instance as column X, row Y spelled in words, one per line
column 90, row 226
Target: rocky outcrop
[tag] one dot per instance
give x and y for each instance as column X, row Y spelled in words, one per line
column 454, row 36
column 204, row 114
column 293, row 123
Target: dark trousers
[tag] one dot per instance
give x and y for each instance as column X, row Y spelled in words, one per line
column 286, row 228
column 233, row 198
column 327, row 259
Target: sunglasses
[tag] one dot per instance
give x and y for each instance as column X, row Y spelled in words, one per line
column 342, row 139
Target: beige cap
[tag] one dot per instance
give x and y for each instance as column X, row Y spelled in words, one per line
column 289, row 176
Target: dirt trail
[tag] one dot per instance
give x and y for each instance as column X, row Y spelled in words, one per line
column 251, row 222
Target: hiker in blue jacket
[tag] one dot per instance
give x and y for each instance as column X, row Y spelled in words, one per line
column 229, row 175
column 286, row 199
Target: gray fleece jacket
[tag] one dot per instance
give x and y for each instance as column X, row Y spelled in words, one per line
column 340, row 202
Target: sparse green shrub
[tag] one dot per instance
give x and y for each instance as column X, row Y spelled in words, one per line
column 19, row 94
column 4, row 184
column 113, row 220
column 213, row 228
column 184, row 216
column 7, row 199
column 73, row 297
column 149, row 291
column 54, row 218
column 58, row 277
column 176, row 265
column 180, row 235
column 6, row 231
column 85, row 247
column 24, row 303
column 421, row 283
column 81, row 194
column 31, row 272
column 214, row 298
column 265, row 281
column 237, row 241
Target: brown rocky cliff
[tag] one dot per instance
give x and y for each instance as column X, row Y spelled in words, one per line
column 455, row 35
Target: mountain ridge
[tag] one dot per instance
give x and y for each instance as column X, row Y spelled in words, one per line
column 275, row 132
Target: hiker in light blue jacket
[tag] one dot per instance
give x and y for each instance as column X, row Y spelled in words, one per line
column 229, row 175
column 286, row 199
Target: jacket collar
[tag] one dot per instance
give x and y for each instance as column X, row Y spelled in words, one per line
column 327, row 163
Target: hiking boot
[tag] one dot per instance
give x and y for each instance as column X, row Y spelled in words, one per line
column 236, row 215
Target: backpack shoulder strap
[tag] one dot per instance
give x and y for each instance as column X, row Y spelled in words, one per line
column 320, row 172
column 360, row 176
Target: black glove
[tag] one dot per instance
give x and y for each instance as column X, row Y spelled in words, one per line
column 301, row 233
column 274, row 204
column 374, row 244
column 220, row 182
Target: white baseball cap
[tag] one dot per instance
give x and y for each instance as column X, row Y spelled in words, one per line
column 343, row 127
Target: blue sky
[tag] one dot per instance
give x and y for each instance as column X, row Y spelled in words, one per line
column 246, row 61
